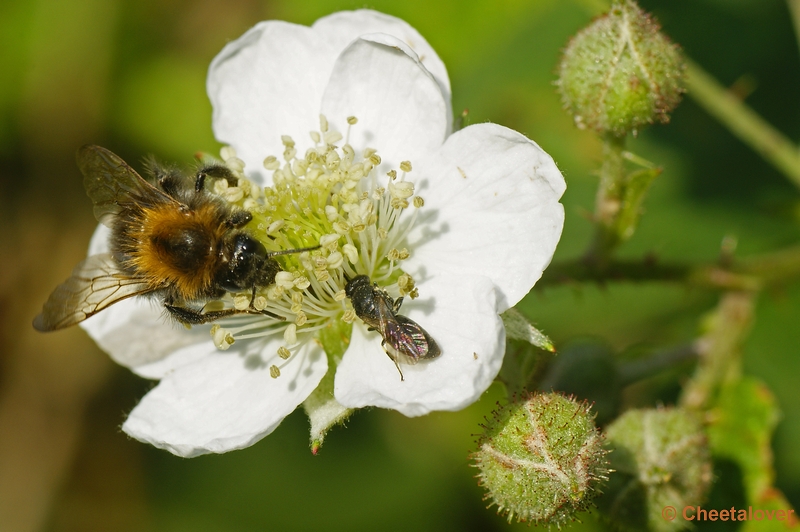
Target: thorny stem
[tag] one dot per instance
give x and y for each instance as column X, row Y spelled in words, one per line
column 749, row 274
column 720, row 350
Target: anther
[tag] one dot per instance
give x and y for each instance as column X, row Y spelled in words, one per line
column 222, row 338
column 227, row 152
column 331, row 213
column 329, row 241
column 235, row 164
column 260, row 303
column 271, row 163
column 284, row 279
column 275, row 226
column 335, row 260
column 241, row 302
column 332, row 137
column 351, row 252
column 290, row 335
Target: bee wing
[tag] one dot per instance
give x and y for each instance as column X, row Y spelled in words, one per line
column 112, row 184
column 411, row 340
column 96, row 283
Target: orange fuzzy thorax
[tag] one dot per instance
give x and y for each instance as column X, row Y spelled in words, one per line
column 179, row 247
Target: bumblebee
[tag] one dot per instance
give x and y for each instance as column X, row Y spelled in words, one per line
column 403, row 339
column 180, row 244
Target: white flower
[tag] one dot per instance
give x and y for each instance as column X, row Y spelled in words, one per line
column 476, row 244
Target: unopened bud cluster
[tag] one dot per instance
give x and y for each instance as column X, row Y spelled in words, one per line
column 621, row 73
column 541, row 458
column 660, row 458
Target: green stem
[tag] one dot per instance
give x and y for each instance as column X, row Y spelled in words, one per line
column 746, row 274
column 794, row 9
column 720, row 350
column 743, row 122
column 610, row 195
column 648, row 270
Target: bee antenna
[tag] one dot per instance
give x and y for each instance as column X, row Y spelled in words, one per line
column 296, row 250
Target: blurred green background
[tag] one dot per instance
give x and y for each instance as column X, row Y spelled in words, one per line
column 130, row 75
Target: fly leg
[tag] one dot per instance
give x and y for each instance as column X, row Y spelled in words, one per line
column 394, row 359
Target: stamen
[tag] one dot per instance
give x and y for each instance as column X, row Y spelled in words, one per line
column 323, row 196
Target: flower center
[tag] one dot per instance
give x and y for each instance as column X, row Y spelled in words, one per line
column 329, row 197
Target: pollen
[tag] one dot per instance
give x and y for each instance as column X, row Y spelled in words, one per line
column 340, row 198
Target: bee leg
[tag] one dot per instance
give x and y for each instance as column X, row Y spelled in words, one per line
column 396, row 304
column 253, row 310
column 394, row 359
column 238, row 219
column 191, row 316
column 214, row 171
column 170, row 181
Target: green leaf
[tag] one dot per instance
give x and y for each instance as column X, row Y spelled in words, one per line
column 638, row 183
column 519, row 328
column 743, row 421
column 523, row 359
column 323, row 410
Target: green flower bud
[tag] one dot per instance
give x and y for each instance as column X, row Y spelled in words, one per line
column 661, row 459
column 620, row 73
column 541, row 458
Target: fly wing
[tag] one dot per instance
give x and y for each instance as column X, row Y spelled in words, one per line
column 419, row 341
column 112, row 184
column 96, row 283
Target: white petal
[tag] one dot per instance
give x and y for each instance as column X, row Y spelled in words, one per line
column 491, row 208
column 268, row 83
column 226, row 401
column 136, row 333
column 343, row 27
column 460, row 314
column 400, row 109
